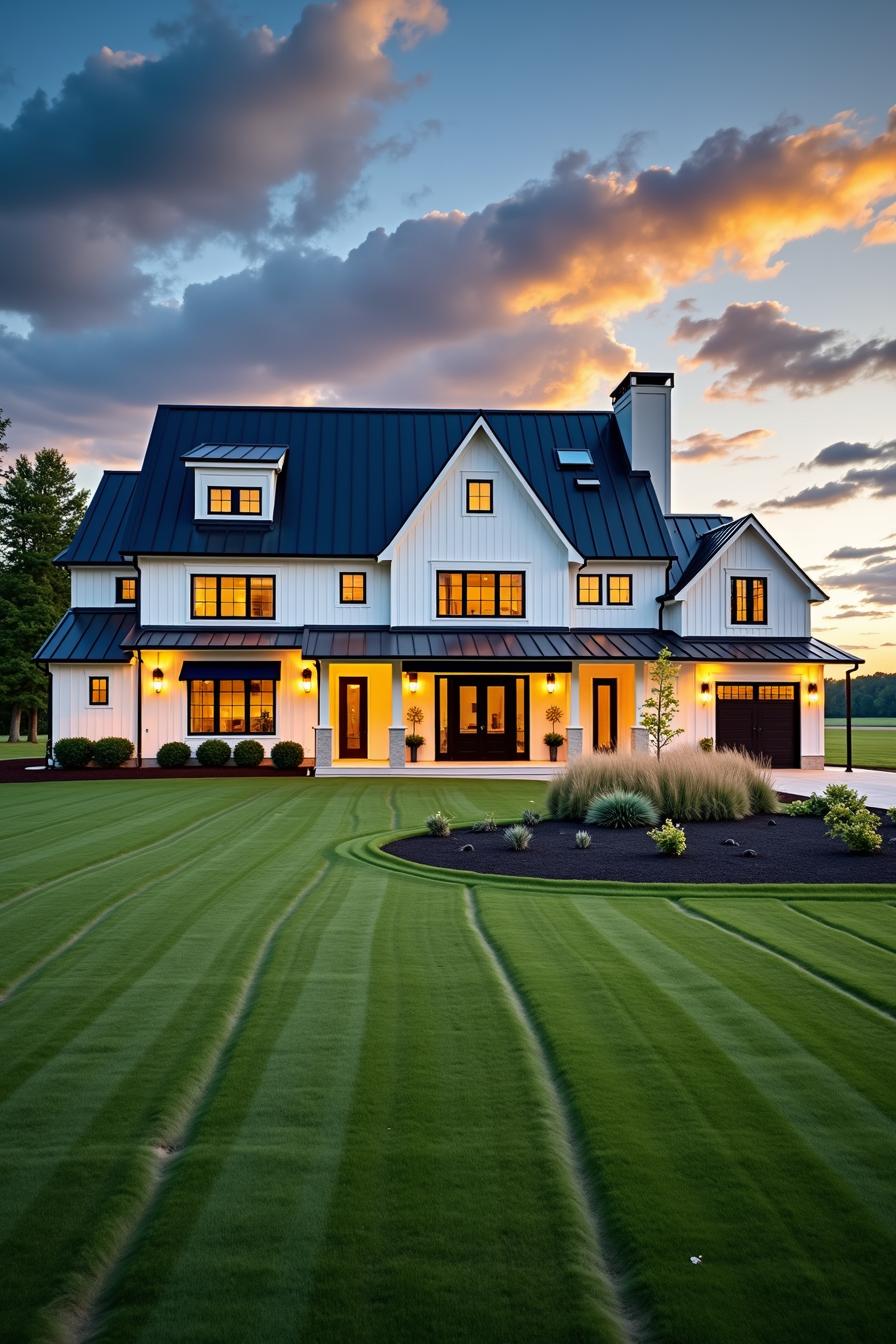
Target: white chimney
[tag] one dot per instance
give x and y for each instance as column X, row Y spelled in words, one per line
column 643, row 406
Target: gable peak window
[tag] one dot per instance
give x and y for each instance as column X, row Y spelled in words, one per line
column 125, row 591
column 479, row 497
column 232, row 597
column 234, row 499
column 352, row 588
column 619, row 590
column 749, row 600
column 588, row 590
column 466, row 592
column 98, row 690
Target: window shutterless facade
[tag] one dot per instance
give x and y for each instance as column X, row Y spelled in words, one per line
column 125, row 591
column 232, row 597
column 619, row 590
column 481, row 593
column 237, row 707
column 588, row 590
column 352, row 588
column 749, row 601
column 234, row 499
column 479, row 497
column 98, row 690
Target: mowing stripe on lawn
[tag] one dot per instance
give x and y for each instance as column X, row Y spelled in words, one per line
column 874, row 925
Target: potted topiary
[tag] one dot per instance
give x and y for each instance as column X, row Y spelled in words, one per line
column 414, row 741
column 553, row 740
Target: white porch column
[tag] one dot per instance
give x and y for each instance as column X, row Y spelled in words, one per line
column 574, row 731
column 323, row 732
column 397, row 730
column 639, row 740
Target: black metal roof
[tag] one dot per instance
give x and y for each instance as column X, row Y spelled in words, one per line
column 352, row 477
column 268, row 453
column 98, row 539
column 686, row 530
column 89, row 635
column 186, row 637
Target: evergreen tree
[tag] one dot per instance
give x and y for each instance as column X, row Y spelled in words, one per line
column 661, row 706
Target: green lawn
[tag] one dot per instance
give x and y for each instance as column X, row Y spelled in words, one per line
column 13, row 750
column 870, row 746
column 259, row 1083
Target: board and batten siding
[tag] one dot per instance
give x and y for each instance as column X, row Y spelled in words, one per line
column 706, row 606
column 74, row 716
column 94, row 585
column 307, row 591
column 516, row 536
column 648, row 579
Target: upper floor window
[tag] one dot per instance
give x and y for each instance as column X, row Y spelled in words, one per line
column 749, row 601
column 479, row 497
column 98, row 690
column 240, row 597
column 619, row 590
column 234, row 499
column 589, row 590
column 352, row 588
column 477, row 593
column 125, row 590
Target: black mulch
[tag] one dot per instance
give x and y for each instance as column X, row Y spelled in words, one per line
column 18, row 772
column 795, row 849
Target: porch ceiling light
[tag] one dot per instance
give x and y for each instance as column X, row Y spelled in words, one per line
column 306, row 680
column 158, row 680
column 551, row 681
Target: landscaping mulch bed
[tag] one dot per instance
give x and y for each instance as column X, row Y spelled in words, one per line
column 794, row 849
column 16, row 772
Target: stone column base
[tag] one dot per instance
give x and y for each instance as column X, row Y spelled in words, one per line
column 640, row 742
column 574, row 740
column 323, row 747
column 396, row 747
column 811, row 762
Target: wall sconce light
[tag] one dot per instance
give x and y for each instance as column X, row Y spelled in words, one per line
column 812, row 692
column 704, row 691
column 413, row 683
column 551, row 681
column 158, row 680
column 306, row 680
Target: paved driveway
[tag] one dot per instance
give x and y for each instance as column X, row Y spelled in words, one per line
column 879, row 785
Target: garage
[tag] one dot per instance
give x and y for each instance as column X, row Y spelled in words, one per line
column 762, row 718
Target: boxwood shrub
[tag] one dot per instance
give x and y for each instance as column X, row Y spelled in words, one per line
column 248, row 754
column 287, row 755
column 213, row 751
column 73, row 753
column 173, row 755
column 110, row 752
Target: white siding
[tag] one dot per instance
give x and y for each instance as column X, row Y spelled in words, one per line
column 73, row 716
column 698, row 717
column 648, row 579
column 516, row 536
column 706, row 607
column 94, row 586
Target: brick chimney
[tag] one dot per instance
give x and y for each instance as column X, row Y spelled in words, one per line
column 643, row 406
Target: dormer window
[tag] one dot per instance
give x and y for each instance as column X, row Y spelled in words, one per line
column 479, row 497
column 235, row 484
column 125, row 591
column 234, row 499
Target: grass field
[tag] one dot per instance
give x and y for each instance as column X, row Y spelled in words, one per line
column 861, row 723
column 870, row 746
column 14, row 750
column 260, row 1083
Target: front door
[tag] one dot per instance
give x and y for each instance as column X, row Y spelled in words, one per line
column 353, row 717
column 482, row 720
column 605, row 728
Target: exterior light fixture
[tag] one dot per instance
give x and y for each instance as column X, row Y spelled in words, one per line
column 306, row 680
column 413, row 683
column 704, row 691
column 551, row 681
column 158, row 680
column 812, row 692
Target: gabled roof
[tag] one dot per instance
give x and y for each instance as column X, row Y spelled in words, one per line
column 686, row 529
column 715, row 540
column 352, row 477
column 98, row 540
column 706, row 542
column 89, row 635
column 267, row 453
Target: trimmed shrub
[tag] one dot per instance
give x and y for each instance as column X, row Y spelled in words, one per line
column 248, row 754
column 110, row 752
column 669, row 838
column 583, row 840
column 820, row 804
column 173, row 755
column 438, row 824
column 621, row 809
column 73, row 753
column 214, row 751
column 287, row 755
column 487, row 823
column 518, row 837
column 857, row 827
column 530, row 818
column 891, row 815
column 706, row 744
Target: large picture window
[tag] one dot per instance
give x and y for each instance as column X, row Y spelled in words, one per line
column 234, row 499
column 236, row 707
column 232, row 597
column 483, row 593
column 749, row 601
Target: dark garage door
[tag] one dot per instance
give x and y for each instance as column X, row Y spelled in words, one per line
column 762, row 719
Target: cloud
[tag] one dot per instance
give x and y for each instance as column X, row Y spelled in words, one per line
column 883, row 230
column 710, row 446
column 876, row 581
column 758, row 348
column 880, row 482
column 858, row 552
column 813, row 497
column 860, row 613
column 140, row 152
column 843, row 454
column 722, row 504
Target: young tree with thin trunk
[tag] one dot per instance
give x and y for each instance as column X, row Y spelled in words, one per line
column 661, row 706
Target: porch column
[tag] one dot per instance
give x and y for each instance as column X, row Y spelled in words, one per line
column 323, row 733
column 574, row 731
column 640, row 742
column 397, row 730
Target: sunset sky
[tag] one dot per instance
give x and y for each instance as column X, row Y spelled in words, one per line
column 402, row 202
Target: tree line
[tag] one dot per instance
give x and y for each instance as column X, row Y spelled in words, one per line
column 40, row 509
column 873, row 697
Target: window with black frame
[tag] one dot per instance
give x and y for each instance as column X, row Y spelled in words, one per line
column 233, row 706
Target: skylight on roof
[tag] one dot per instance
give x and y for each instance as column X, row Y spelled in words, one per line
column 574, row 457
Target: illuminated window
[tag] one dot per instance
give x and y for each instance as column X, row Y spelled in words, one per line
column 734, row 692
column 234, row 499
column 98, row 690
column 479, row 497
column 748, row 601
column 233, row 597
column 219, row 499
column 589, row 590
column 776, row 692
column 352, row 587
column 481, row 593
column 125, row 590
column 234, row 706
column 619, row 590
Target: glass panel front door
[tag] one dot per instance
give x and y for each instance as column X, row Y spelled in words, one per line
column 605, row 726
column 353, row 716
column 485, row 718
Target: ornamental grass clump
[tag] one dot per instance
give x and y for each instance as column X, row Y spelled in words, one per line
column 856, row 826
column 695, row 786
column 621, row 809
column 530, row 818
column 570, row 791
column 486, row 823
column 583, row 840
column 518, row 837
column 669, row 838
column 438, row 824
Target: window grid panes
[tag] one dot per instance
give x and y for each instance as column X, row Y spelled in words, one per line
column 748, row 601
column 99, row 691
column 479, row 496
column 353, row 587
column 232, row 597
column 589, row 594
column 234, row 706
column 735, row 692
column 125, row 590
column 480, row 593
column 619, row 590
column 234, row 499
column 776, row 692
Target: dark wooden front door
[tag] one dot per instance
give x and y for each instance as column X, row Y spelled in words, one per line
column 353, row 717
column 763, row 719
column 605, row 725
column 482, row 718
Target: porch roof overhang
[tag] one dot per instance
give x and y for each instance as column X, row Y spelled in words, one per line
column 427, row 645
column 183, row 637
column 259, row 670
